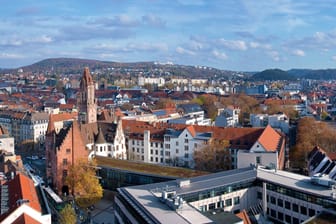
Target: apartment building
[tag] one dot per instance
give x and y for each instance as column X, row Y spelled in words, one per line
column 25, row 126
column 166, row 144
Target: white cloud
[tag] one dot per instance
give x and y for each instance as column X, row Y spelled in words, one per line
column 298, row 52
column 182, row 50
column 10, row 56
column 274, row 55
column 254, row 44
column 233, row 44
column 333, row 58
column 219, row 55
column 153, row 20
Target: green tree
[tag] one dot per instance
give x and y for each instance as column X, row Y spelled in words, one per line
column 84, row 184
column 68, row 215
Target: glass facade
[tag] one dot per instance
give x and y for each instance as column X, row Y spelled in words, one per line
column 111, row 179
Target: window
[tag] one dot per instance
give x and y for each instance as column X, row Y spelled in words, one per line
column 273, row 213
column 186, row 140
column 295, row 208
column 287, row 205
column 65, row 162
column 151, row 159
column 311, row 212
column 177, row 151
column 273, row 200
column 156, row 159
column 176, row 143
column 236, row 200
column 258, row 159
column 303, row 210
column 156, row 152
column 65, row 173
column 142, row 158
column 280, row 202
column 186, row 148
column 212, row 206
column 228, row 202
column 295, row 220
column 280, row 216
column 288, row 219
column 259, row 195
column 151, row 151
column 186, row 155
column 68, row 151
column 167, row 146
column 167, row 153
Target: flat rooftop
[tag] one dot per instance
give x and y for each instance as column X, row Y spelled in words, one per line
column 175, row 172
column 147, row 198
column 294, row 181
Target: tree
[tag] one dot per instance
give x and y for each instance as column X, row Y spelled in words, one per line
column 213, row 157
column 311, row 133
column 84, row 184
column 68, row 215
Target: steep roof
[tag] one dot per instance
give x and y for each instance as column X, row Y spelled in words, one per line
column 21, row 188
column 26, row 219
column 60, row 117
column 269, row 139
column 244, row 216
column 86, row 78
column 100, row 137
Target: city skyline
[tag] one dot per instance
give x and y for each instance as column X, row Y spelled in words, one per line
column 232, row 35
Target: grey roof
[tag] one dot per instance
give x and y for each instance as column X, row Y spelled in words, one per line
column 190, row 108
column 146, row 197
column 100, row 137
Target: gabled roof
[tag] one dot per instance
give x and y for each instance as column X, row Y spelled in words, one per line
column 269, row 139
column 60, row 117
column 21, row 188
column 191, row 130
column 26, row 219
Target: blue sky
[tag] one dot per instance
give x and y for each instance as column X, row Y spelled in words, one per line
column 242, row 35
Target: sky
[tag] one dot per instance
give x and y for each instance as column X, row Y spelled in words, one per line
column 240, row 35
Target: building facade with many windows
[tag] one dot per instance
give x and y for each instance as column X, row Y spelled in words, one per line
column 266, row 195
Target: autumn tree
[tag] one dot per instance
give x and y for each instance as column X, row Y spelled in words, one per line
column 213, row 157
column 247, row 105
column 84, row 184
column 311, row 133
column 68, row 215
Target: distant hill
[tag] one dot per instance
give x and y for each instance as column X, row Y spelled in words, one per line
column 272, row 74
column 75, row 66
column 325, row 74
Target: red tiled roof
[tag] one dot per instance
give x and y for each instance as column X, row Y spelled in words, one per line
column 244, row 216
column 191, row 130
column 21, row 187
column 60, row 117
column 269, row 139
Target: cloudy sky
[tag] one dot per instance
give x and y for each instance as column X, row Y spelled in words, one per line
column 244, row 35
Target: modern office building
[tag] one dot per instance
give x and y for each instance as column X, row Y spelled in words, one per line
column 265, row 195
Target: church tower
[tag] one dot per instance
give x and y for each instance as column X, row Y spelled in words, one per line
column 86, row 102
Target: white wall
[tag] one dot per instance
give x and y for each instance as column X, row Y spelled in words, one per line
column 246, row 158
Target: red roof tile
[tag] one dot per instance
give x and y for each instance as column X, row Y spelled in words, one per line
column 269, row 139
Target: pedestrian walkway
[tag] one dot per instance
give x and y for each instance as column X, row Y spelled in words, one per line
column 103, row 212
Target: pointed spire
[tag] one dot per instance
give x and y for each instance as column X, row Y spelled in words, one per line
column 87, row 78
column 100, row 138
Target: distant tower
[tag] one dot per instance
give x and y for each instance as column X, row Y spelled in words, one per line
column 86, row 101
